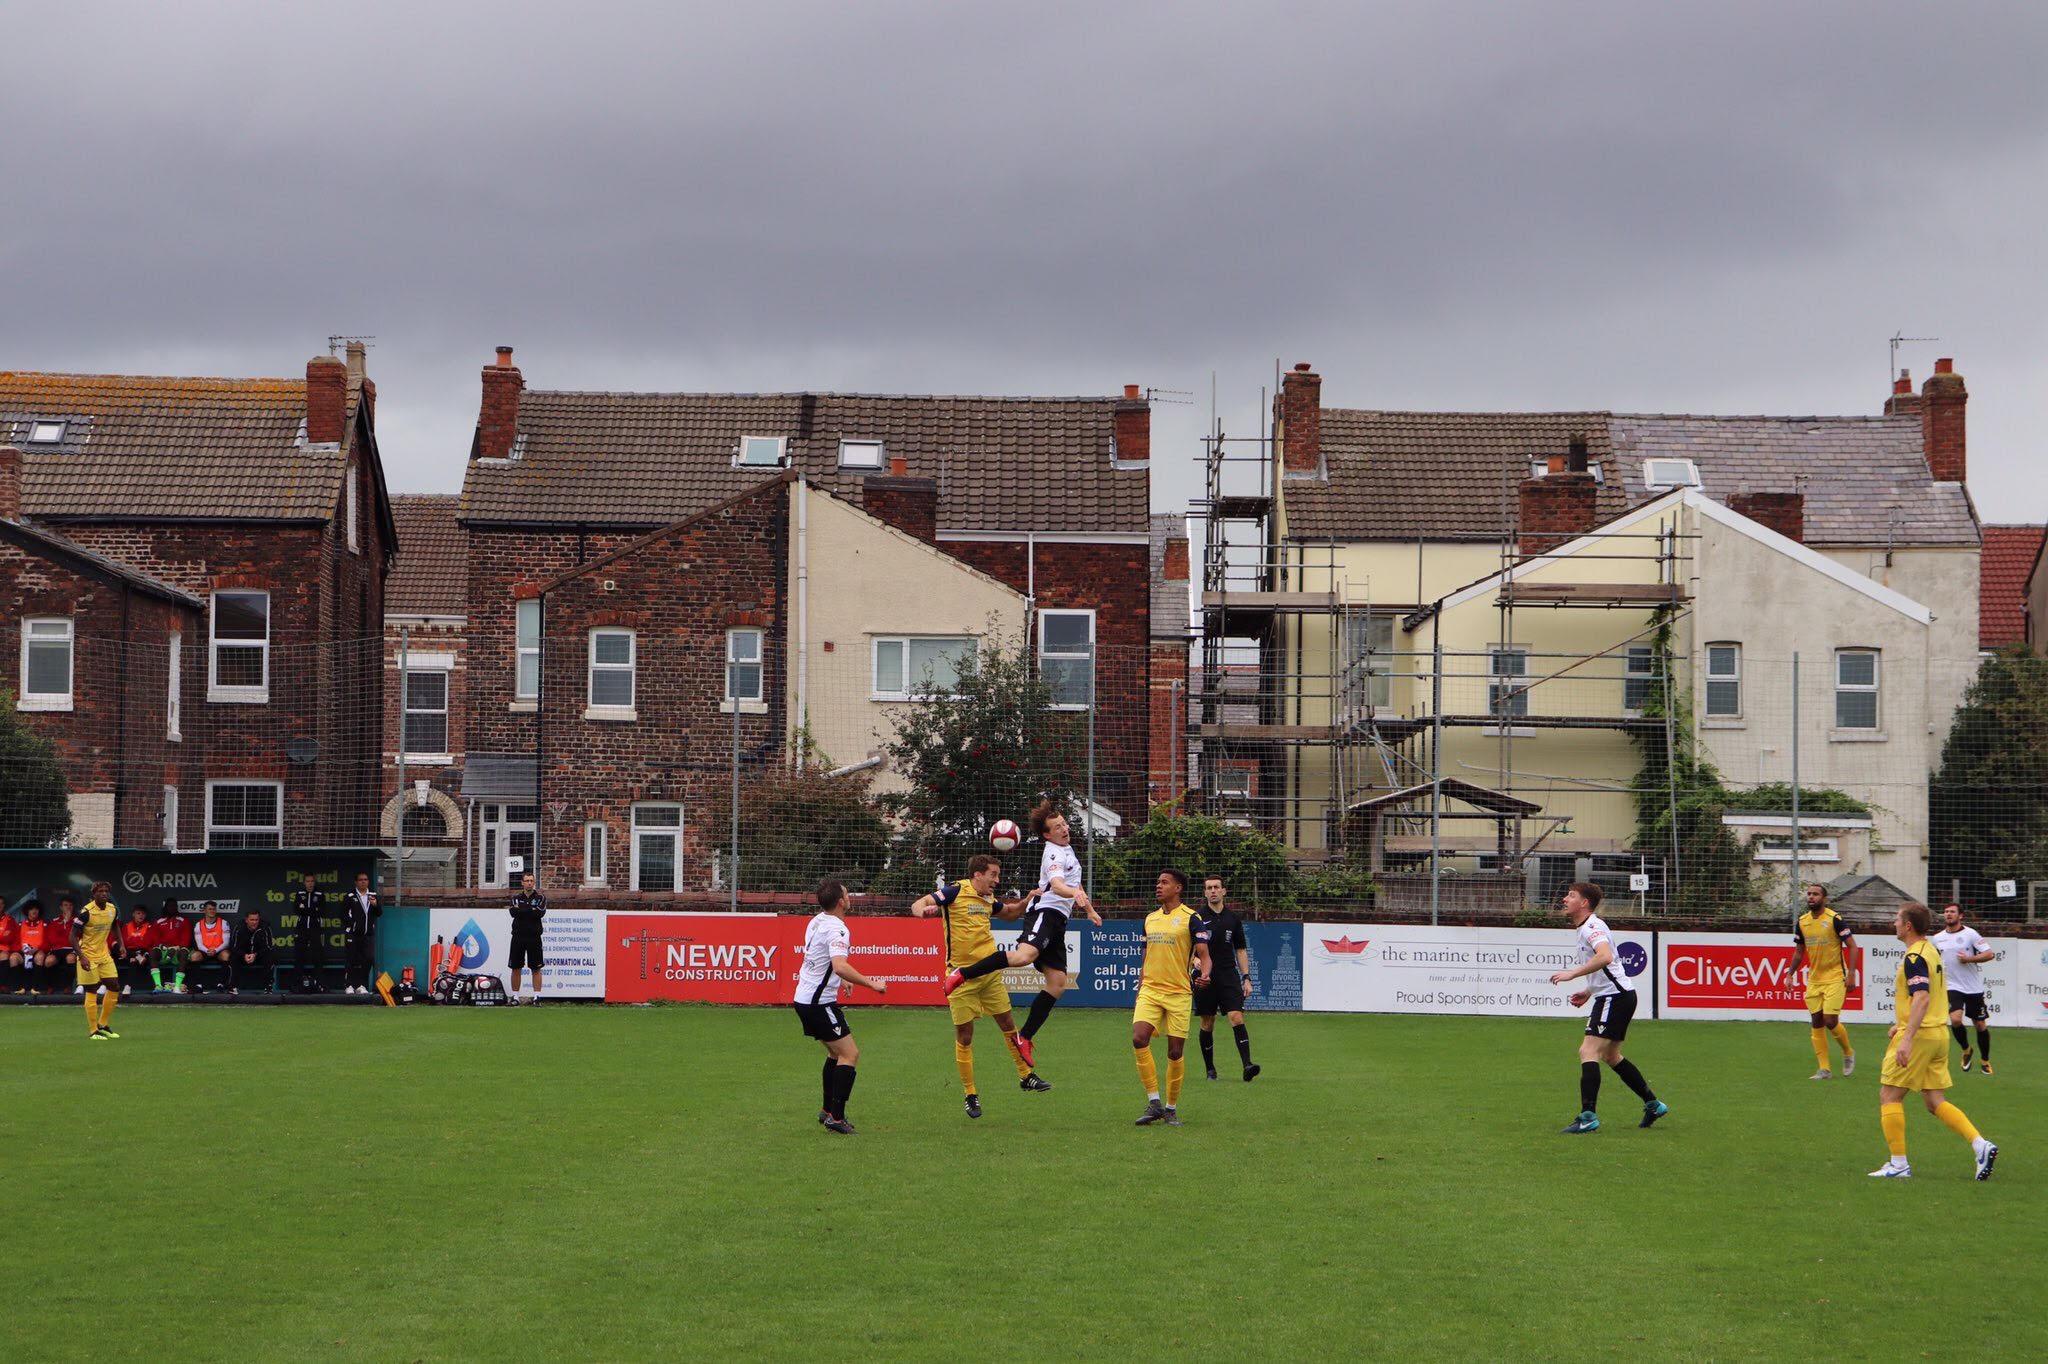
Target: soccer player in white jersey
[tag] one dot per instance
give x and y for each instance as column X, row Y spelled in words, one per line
column 826, row 944
column 1963, row 953
column 1613, row 996
column 1044, row 939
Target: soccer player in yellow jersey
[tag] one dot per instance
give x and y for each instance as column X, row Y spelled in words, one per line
column 1174, row 938
column 966, row 906
column 1821, row 940
column 98, row 977
column 1916, row 1056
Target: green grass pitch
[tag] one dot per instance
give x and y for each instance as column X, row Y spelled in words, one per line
column 617, row 1183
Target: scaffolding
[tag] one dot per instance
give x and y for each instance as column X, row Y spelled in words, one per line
column 1295, row 731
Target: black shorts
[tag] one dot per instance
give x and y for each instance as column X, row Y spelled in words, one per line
column 1223, row 994
column 526, row 955
column 1973, row 1006
column 1611, row 1014
column 1046, row 930
column 826, row 1022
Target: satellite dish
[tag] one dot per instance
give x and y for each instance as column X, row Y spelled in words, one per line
column 302, row 751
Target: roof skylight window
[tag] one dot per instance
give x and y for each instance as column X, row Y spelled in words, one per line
column 762, row 452
column 45, row 433
column 1663, row 475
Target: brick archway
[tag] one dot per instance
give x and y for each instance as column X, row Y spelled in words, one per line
column 450, row 812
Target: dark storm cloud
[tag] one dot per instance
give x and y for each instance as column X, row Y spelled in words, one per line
column 1723, row 207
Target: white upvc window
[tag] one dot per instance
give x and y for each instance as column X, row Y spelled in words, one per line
column 906, row 667
column 46, row 663
column 1507, row 687
column 244, row 814
column 1372, row 660
column 1663, row 474
column 526, row 649
column 171, row 818
column 762, row 452
column 611, row 688
column 424, row 725
column 174, row 700
column 594, row 847
column 658, row 847
column 743, row 666
column 348, row 500
column 1637, row 677
column 240, row 666
column 1724, row 681
column 1066, row 657
column 860, row 454
column 1856, row 689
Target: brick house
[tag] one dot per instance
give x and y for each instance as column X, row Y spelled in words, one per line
column 426, row 677
column 261, row 501
column 2004, row 613
column 1046, row 497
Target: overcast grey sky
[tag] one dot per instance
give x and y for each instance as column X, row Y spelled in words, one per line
column 1709, row 208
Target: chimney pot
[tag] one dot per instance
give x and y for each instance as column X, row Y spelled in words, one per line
column 1130, row 390
column 1945, row 365
column 505, row 356
column 899, row 466
column 1302, row 367
column 1904, row 383
column 10, row 483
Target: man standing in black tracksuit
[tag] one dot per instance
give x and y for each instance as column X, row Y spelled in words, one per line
column 528, row 908
column 309, row 951
column 359, row 914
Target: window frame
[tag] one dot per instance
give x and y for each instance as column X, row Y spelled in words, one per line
column 596, row 709
column 781, row 461
column 216, row 690
column 1727, row 679
column 1094, row 648
column 36, row 424
column 26, row 699
column 174, row 698
column 759, row 663
column 875, row 646
column 215, row 784
column 1874, row 689
column 520, row 650
column 673, row 832
column 406, row 709
column 1496, row 680
column 1376, row 680
column 170, row 818
column 881, row 460
column 348, row 497
column 602, row 848
column 1630, row 677
column 1689, row 469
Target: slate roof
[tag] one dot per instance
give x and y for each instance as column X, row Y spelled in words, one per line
column 1453, row 475
column 1169, row 599
column 139, row 446
column 2002, row 574
column 40, row 540
column 649, row 459
column 430, row 575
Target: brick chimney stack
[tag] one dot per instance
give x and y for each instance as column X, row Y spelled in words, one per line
column 10, row 483
column 357, row 353
column 1942, row 399
column 1904, row 401
column 497, row 422
column 1174, row 566
column 1784, row 513
column 326, row 400
column 1556, row 507
column 911, row 505
column 1133, row 427
column 1301, row 422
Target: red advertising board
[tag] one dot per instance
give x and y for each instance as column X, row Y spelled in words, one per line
column 1742, row 973
column 754, row 958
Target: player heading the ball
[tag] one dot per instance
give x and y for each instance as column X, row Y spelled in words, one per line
column 965, row 907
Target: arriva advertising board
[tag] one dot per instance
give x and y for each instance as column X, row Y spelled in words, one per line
column 1407, row 969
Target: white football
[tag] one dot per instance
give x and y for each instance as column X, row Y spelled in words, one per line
column 1005, row 835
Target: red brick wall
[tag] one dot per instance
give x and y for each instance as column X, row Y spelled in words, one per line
column 1556, row 508
column 1784, row 513
column 1168, row 777
column 911, row 505
column 679, row 593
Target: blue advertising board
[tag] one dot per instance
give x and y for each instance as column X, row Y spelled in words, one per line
column 1108, row 961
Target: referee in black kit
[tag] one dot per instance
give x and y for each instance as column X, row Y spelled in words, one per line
column 1229, row 977
column 528, row 908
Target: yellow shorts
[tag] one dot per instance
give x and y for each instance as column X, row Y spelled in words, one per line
column 981, row 998
column 1925, row 1068
column 1826, row 996
column 1166, row 1013
column 92, row 970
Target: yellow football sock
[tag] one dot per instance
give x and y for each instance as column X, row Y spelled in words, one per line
column 107, row 1001
column 1893, row 1116
column 1016, row 1055
column 1820, row 1047
column 963, row 1057
column 1957, row 1121
column 1176, row 1071
column 1148, row 1073
column 92, row 1013
column 1841, row 1035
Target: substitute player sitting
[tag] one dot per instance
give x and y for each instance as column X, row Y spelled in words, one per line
column 1176, row 949
column 1822, row 941
column 966, row 906
column 98, row 978
column 1916, row 1056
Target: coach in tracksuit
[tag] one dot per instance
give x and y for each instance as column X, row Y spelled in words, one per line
column 528, row 909
column 310, row 951
column 359, row 914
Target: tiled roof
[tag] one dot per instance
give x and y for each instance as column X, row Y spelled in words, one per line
column 430, row 575
column 2008, row 562
column 39, row 539
column 1454, row 475
column 1169, row 599
column 647, row 459
column 137, row 446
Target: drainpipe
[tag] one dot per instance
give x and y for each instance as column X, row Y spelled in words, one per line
column 121, row 716
column 800, row 490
